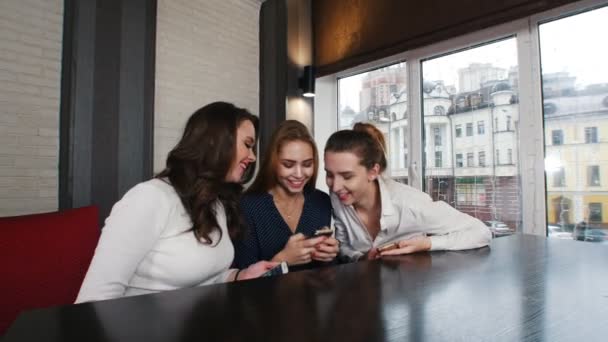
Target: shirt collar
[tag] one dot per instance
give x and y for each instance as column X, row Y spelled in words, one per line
column 387, row 204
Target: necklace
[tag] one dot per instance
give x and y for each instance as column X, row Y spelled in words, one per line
column 284, row 206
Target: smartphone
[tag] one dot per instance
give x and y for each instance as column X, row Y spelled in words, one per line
column 277, row 270
column 388, row 247
column 325, row 231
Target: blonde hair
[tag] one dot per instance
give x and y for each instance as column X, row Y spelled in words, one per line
column 288, row 131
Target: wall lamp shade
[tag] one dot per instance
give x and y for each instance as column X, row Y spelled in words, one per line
column 307, row 81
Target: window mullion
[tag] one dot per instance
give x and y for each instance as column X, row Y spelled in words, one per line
column 531, row 139
column 414, row 96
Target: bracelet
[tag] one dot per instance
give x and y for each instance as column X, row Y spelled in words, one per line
column 236, row 276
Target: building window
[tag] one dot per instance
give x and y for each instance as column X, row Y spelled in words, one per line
column 470, row 159
column 508, row 122
column 510, row 156
column 458, row 131
column 405, row 159
column 557, row 137
column 595, row 212
column 437, row 136
column 481, row 128
column 590, row 135
column 495, row 124
column 482, row 158
column 469, row 129
column 459, row 160
column 438, row 159
column 497, row 157
column 470, row 193
column 439, row 110
column 559, row 177
column 593, row 175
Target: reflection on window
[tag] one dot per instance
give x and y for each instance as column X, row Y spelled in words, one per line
column 575, row 86
column 479, row 87
column 379, row 97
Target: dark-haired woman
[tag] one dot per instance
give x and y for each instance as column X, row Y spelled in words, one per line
column 175, row 230
column 377, row 216
column 282, row 208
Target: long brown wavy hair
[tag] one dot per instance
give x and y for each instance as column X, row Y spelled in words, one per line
column 198, row 164
column 288, row 131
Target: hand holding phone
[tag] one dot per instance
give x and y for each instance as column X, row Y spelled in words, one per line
column 324, row 231
column 412, row 244
column 298, row 249
column 388, row 247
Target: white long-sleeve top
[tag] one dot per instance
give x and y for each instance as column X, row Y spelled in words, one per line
column 145, row 247
column 407, row 212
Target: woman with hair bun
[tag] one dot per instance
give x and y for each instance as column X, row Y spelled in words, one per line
column 376, row 216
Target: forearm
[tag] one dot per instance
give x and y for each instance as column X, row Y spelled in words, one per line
column 279, row 257
column 472, row 235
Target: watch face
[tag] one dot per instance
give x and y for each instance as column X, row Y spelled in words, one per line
column 277, row 270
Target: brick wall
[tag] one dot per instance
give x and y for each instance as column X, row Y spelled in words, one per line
column 206, row 50
column 30, row 64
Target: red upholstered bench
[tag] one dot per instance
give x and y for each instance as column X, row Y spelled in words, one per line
column 44, row 258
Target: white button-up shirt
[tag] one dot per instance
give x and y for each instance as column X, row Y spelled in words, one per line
column 407, row 212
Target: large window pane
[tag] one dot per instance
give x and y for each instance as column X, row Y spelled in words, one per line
column 379, row 97
column 575, row 103
column 478, row 91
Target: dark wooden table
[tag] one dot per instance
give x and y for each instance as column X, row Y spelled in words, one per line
column 522, row 288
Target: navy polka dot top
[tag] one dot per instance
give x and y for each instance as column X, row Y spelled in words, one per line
column 267, row 232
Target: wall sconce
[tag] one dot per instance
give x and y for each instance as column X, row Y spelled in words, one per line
column 307, row 81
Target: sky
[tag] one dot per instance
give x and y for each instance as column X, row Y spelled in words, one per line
column 577, row 44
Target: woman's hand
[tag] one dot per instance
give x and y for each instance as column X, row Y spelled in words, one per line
column 413, row 245
column 255, row 270
column 326, row 250
column 298, row 249
column 372, row 254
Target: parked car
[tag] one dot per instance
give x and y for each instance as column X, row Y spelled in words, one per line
column 558, row 232
column 499, row 228
column 585, row 232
